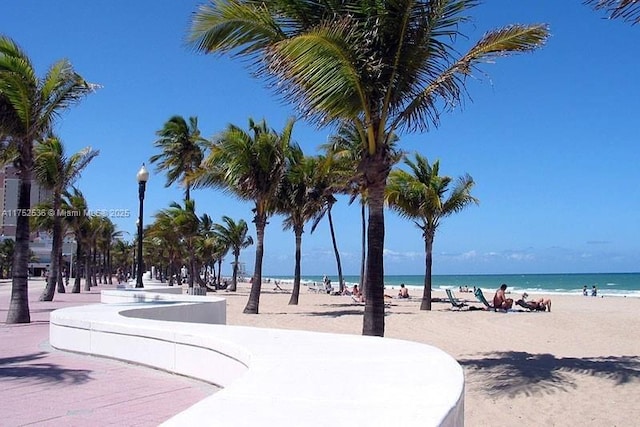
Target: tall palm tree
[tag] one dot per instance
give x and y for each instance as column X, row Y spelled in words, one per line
column 181, row 146
column 28, row 108
column 422, row 196
column 250, row 165
column 627, row 10
column 234, row 236
column 55, row 171
column 299, row 201
column 346, row 148
column 385, row 66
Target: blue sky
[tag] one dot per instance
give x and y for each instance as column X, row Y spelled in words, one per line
column 549, row 137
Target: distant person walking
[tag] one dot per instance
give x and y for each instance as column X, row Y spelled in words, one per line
column 183, row 274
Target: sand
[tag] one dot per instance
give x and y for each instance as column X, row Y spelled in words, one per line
column 578, row 365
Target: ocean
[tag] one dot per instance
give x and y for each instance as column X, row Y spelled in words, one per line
column 607, row 284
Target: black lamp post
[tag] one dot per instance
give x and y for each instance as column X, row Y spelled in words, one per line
column 143, row 177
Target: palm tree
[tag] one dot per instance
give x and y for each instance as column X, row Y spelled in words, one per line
column 420, row 196
column 385, row 66
column 181, row 146
column 300, row 201
column 53, row 170
column 249, row 165
column 234, row 236
column 106, row 237
column 164, row 231
column 186, row 223
column 346, row 148
column 74, row 201
column 122, row 253
column 28, row 108
column 93, row 230
column 627, row 10
column 206, row 247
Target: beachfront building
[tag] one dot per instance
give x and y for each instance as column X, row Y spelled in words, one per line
column 40, row 243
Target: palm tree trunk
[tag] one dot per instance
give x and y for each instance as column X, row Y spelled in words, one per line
column 428, row 250
column 219, row 280
column 335, row 246
column 56, row 253
column 60, row 288
column 373, row 323
column 107, row 256
column 234, row 278
column 192, row 266
column 87, row 269
column 296, row 275
column 76, row 280
column 254, row 296
column 94, row 266
column 19, row 304
column 363, row 219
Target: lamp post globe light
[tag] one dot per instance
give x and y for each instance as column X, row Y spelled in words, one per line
column 143, row 177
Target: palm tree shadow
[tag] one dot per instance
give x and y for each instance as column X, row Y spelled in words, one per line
column 336, row 313
column 514, row 373
column 18, row 367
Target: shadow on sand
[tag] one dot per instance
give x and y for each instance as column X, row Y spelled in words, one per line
column 514, row 373
column 21, row 367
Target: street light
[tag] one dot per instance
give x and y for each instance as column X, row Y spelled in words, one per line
column 143, row 177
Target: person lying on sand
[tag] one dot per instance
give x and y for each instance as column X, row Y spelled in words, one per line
column 541, row 304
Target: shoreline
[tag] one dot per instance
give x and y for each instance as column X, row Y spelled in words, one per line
column 288, row 281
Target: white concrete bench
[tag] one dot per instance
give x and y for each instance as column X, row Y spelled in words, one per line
column 270, row 376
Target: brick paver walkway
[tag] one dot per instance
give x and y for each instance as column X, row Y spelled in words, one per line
column 43, row 386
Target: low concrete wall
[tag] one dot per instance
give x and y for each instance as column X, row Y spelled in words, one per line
column 271, row 377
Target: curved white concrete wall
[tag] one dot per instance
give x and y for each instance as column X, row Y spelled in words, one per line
column 273, row 377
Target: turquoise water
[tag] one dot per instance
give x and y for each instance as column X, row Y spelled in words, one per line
column 608, row 284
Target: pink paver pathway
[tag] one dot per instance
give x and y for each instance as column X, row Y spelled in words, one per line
column 42, row 386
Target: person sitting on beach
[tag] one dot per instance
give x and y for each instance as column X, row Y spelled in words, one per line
column 541, row 304
column 404, row 292
column 356, row 294
column 328, row 287
column 499, row 299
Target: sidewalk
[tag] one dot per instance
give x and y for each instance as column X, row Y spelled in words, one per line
column 46, row 387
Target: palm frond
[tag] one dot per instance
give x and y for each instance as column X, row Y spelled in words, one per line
column 449, row 88
column 627, row 10
column 239, row 27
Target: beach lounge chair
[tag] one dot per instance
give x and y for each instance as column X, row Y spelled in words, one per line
column 480, row 296
column 456, row 303
column 315, row 287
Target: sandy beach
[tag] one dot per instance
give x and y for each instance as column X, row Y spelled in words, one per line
column 578, row 365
